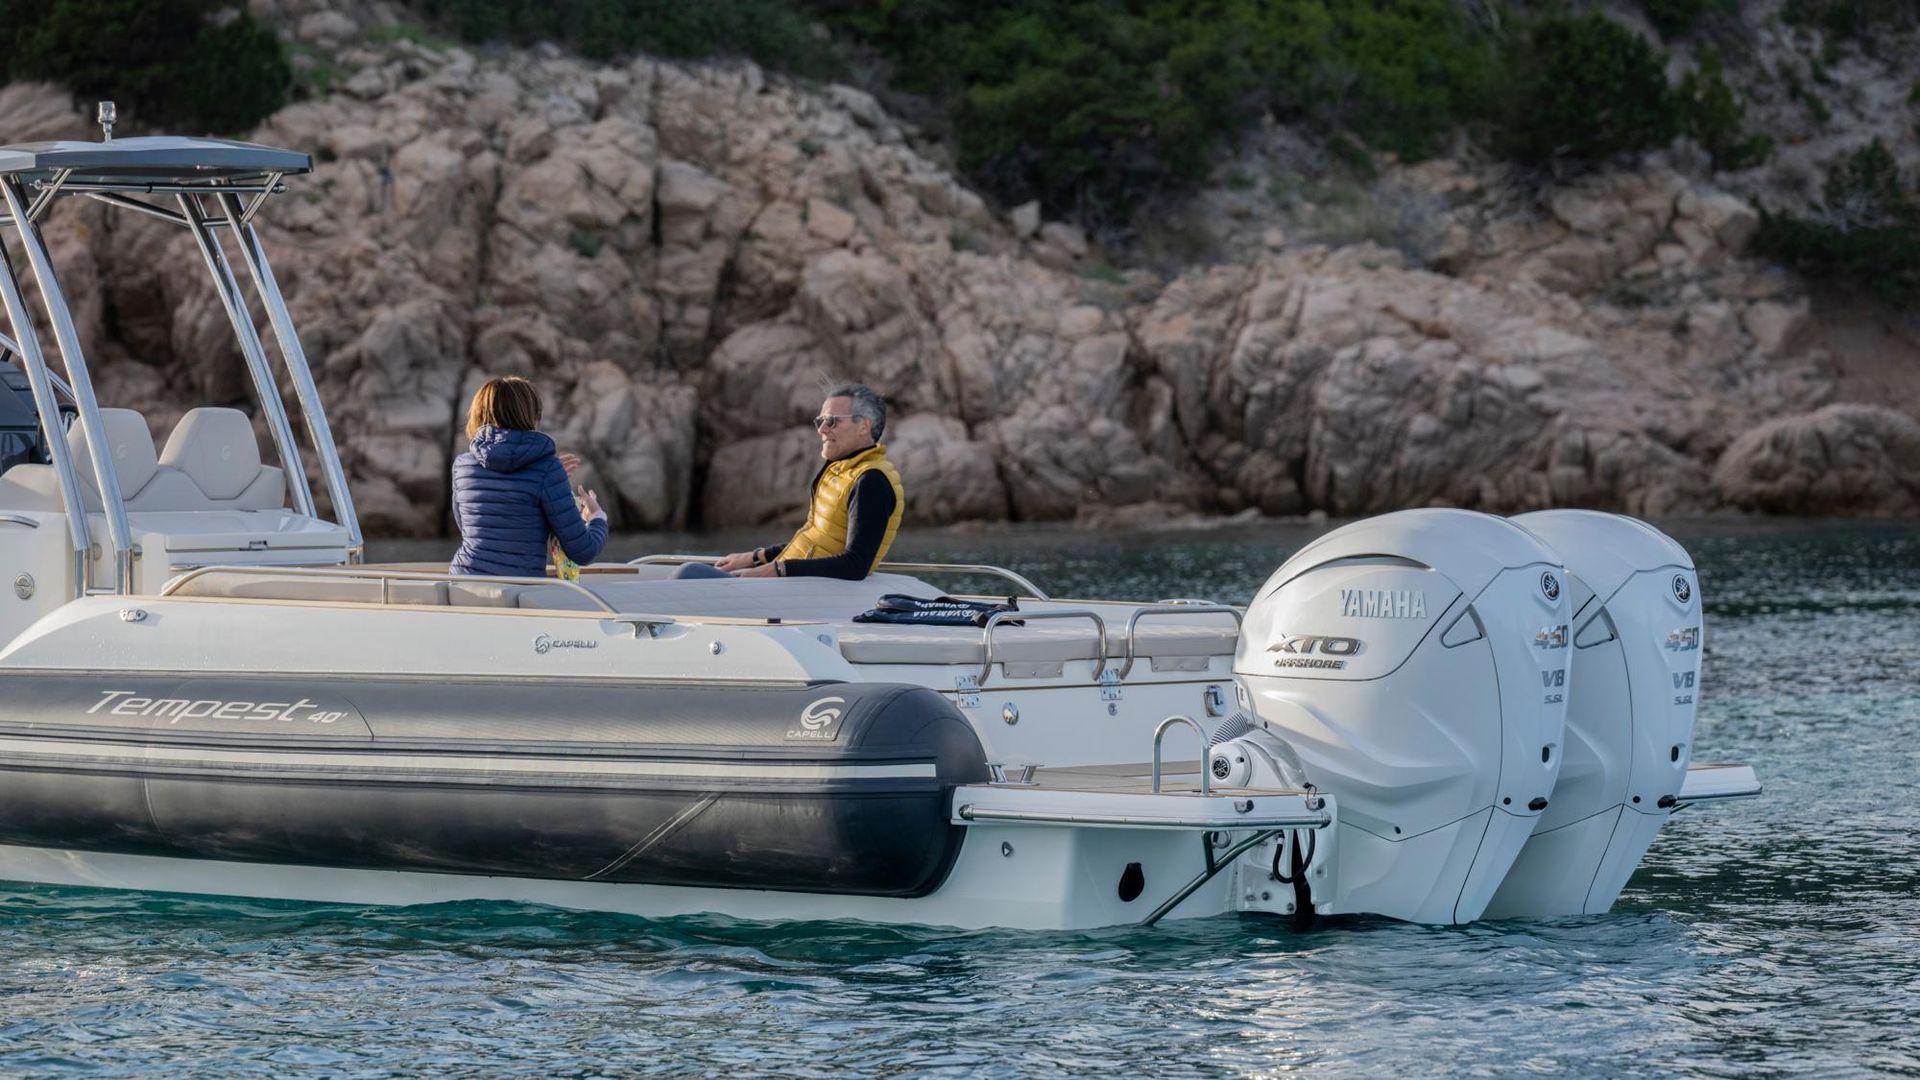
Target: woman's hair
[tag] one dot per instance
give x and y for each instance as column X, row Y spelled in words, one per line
column 506, row 402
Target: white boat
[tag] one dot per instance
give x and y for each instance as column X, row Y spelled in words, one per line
column 1435, row 715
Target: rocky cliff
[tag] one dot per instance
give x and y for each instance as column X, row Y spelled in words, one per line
column 680, row 254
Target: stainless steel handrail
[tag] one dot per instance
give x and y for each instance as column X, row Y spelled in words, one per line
column 16, row 519
column 1160, row 732
column 253, row 351
column 39, row 377
column 1000, row 617
column 1178, row 609
column 294, row 355
column 368, row 574
column 981, row 569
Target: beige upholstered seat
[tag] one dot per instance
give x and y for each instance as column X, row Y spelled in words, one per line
column 144, row 483
column 216, row 449
column 211, row 463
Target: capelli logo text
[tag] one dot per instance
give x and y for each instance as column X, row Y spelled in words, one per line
column 544, row 644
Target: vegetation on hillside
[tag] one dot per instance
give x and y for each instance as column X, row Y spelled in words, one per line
column 1099, row 108
column 1585, row 89
column 1865, row 233
column 1093, row 106
column 776, row 33
column 193, row 65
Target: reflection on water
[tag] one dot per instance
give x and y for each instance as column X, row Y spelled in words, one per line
column 1764, row 938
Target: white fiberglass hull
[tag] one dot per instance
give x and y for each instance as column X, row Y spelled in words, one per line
column 1055, row 879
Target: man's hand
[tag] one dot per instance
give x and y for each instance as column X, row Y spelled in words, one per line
column 739, row 560
column 766, row 570
column 569, row 462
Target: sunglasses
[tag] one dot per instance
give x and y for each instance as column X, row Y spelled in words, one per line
column 828, row 423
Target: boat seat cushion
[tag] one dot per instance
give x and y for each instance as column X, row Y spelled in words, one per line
column 217, row 450
column 153, row 482
column 130, row 445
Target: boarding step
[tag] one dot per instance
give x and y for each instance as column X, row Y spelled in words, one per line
column 1718, row 781
column 1123, row 797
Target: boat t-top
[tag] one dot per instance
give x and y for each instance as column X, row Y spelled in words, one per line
column 1434, row 715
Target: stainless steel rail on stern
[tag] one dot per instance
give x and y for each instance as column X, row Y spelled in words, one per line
column 1000, row 618
column 1165, row 608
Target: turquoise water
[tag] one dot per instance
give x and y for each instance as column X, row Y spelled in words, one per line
column 1772, row 937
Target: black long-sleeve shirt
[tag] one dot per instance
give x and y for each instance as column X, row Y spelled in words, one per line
column 869, row 508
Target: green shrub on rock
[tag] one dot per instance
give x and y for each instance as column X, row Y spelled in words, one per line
column 1678, row 18
column 774, row 32
column 182, row 64
column 1862, row 21
column 1093, row 106
column 1716, row 119
column 1866, row 232
column 1585, row 89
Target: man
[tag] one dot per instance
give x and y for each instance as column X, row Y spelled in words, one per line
column 857, row 498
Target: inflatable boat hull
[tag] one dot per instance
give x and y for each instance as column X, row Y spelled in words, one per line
column 834, row 788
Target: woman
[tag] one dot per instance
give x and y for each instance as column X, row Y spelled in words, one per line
column 510, row 491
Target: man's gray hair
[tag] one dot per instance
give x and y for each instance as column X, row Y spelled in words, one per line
column 865, row 403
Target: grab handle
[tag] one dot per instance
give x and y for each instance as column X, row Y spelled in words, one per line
column 1166, row 607
column 998, row 617
column 1206, row 775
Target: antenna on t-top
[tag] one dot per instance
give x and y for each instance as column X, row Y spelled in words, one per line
column 105, row 116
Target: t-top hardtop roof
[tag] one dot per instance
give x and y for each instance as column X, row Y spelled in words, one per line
column 169, row 159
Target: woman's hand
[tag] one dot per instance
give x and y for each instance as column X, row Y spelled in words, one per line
column 590, row 506
column 771, row 569
column 569, row 462
column 739, row 560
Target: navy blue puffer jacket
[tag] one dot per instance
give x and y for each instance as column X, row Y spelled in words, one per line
column 509, row 495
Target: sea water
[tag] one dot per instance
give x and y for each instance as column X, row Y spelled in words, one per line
column 1762, row 938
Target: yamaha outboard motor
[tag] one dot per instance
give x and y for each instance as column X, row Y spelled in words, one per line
column 1416, row 666
column 1636, row 670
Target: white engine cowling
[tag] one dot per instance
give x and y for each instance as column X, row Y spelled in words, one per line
column 1416, row 665
column 1637, row 637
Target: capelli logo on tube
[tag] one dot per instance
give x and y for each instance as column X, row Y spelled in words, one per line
column 819, row 722
column 544, row 644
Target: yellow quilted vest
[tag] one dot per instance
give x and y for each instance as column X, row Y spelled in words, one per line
column 825, row 532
